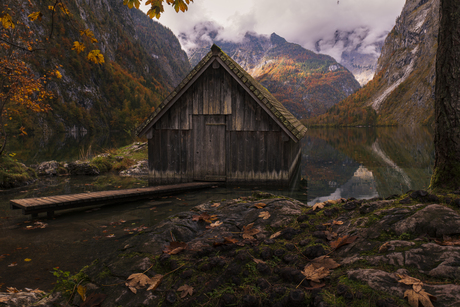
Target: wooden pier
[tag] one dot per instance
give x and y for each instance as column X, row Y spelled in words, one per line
column 60, row 202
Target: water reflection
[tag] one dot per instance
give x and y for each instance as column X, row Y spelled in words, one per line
column 367, row 163
column 357, row 162
column 361, row 185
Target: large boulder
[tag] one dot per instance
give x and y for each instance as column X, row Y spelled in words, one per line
column 82, row 168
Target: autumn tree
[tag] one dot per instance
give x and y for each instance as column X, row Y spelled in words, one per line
column 446, row 174
column 20, row 88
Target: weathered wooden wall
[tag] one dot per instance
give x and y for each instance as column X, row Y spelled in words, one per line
column 216, row 131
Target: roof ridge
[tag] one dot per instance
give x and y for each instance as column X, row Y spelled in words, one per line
column 289, row 121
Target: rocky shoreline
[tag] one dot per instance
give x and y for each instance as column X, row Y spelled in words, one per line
column 269, row 251
column 127, row 161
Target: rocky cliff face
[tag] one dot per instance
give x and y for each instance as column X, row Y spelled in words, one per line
column 402, row 90
column 143, row 62
column 305, row 82
column 407, row 65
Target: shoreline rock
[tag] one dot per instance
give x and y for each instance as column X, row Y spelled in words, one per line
column 256, row 251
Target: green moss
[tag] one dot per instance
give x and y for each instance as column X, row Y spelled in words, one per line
column 66, row 283
column 105, row 273
column 103, row 163
column 446, row 177
column 13, row 173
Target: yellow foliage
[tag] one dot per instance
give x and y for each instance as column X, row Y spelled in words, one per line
column 7, row 21
column 156, row 6
column 36, row 15
column 96, row 57
column 78, row 47
column 131, row 3
column 58, row 74
column 88, row 33
column 63, row 8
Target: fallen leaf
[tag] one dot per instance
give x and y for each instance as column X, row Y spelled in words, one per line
column 12, row 264
column 185, row 289
column 423, row 297
column 34, row 290
column 230, row 240
column 12, row 290
column 216, row 224
column 258, row 261
column 315, row 274
column 448, row 242
column 82, row 291
column 407, row 280
column 204, row 217
column 325, row 262
column 27, row 259
column 36, row 225
column 175, row 247
column 384, row 247
column 275, row 235
column 343, row 241
column 337, row 223
column 155, row 282
column 137, row 281
column 215, row 205
column 259, row 205
column 249, row 232
column 318, row 205
column 265, row 215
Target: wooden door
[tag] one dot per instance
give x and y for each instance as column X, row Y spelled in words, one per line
column 209, row 144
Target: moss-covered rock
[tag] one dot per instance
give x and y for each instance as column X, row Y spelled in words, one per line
column 14, row 174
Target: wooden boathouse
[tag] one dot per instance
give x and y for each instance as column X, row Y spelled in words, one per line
column 220, row 124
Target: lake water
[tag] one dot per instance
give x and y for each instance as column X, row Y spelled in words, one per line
column 354, row 162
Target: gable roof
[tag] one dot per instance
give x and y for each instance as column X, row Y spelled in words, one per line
column 291, row 125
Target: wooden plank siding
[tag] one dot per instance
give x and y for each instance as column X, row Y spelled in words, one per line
column 216, row 131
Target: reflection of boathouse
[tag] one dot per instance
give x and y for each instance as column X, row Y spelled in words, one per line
column 220, row 124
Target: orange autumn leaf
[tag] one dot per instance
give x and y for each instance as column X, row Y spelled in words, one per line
column 341, row 241
column 175, row 247
column 259, row 205
column 204, row 217
column 264, row 215
column 249, row 232
column 186, row 290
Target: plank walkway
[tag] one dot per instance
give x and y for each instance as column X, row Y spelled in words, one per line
column 60, row 202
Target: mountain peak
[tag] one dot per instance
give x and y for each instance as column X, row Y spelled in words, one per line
column 276, row 39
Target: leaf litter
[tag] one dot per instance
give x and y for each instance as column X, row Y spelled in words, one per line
column 249, row 232
column 186, row 290
column 416, row 295
column 175, row 247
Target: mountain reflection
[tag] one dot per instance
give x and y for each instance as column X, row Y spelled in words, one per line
column 366, row 162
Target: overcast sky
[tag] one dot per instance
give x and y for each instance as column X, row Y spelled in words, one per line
column 299, row 21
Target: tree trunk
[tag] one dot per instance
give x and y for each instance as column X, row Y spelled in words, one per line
column 446, row 173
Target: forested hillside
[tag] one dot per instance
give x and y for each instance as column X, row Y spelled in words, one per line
column 143, row 62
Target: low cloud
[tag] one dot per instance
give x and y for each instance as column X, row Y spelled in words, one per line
column 304, row 22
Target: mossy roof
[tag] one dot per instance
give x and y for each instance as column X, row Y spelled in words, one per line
column 282, row 115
